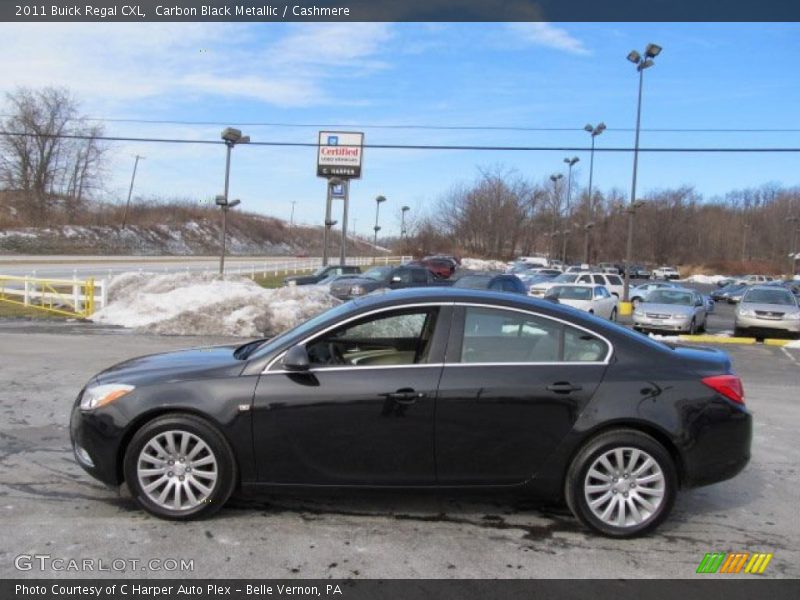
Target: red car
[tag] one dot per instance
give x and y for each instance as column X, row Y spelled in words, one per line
column 441, row 267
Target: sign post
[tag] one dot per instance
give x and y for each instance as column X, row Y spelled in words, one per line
column 339, row 159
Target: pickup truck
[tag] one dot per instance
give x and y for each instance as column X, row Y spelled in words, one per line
column 384, row 277
column 321, row 274
column 665, row 273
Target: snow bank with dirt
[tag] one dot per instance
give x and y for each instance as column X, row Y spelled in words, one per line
column 478, row 264
column 203, row 304
column 710, row 279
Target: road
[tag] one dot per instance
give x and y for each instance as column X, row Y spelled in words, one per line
column 50, row 506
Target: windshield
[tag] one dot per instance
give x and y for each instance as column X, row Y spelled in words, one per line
column 377, row 273
column 769, row 297
column 564, row 292
column 320, row 272
column 566, row 278
column 667, row 296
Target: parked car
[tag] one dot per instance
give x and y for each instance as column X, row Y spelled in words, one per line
column 665, row 273
column 321, row 274
column 423, row 388
column 443, row 268
column 722, row 294
column 594, row 299
column 767, row 309
column 754, row 279
column 639, row 272
column 615, row 268
column 638, row 293
column 613, row 283
column 488, row 281
column 671, row 309
column 382, row 277
column 539, row 289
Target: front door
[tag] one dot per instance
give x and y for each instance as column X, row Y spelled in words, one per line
column 364, row 413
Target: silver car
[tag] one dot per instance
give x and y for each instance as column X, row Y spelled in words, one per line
column 767, row 308
column 671, row 309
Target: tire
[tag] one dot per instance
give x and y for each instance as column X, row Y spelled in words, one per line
column 181, row 492
column 739, row 332
column 693, row 327
column 652, row 507
column 702, row 327
column 613, row 316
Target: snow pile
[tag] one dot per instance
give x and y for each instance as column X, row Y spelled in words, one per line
column 794, row 344
column 477, row 264
column 202, row 304
column 711, row 279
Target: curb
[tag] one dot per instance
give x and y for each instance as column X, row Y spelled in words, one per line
column 744, row 341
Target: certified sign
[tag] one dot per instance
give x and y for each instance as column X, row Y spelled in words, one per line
column 340, row 154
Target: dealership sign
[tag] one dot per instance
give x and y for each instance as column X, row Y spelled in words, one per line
column 340, row 154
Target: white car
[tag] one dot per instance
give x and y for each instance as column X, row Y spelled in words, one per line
column 613, row 283
column 665, row 273
column 594, row 299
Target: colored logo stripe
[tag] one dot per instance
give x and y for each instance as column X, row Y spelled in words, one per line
column 722, row 562
column 758, row 563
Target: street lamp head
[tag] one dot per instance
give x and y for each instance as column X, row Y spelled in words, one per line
column 377, row 228
column 330, row 223
column 634, row 57
column 646, row 64
column 652, row 50
column 601, row 127
column 380, row 199
column 638, row 204
column 572, row 161
column 232, row 135
column 245, row 139
column 220, row 200
column 555, row 177
column 233, row 203
column 589, row 225
column 406, row 208
column 588, row 128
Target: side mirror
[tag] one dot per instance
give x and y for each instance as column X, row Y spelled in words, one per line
column 296, row 359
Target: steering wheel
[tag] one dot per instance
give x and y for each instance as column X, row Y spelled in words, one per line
column 335, row 356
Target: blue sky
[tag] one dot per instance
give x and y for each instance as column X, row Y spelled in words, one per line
column 538, row 75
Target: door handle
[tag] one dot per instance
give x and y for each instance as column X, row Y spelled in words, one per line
column 405, row 396
column 563, row 387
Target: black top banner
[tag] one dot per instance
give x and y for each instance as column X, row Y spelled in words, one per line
column 402, row 10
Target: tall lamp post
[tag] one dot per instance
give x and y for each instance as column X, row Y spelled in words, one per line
column 222, row 202
column 556, row 210
column 642, row 63
column 232, row 137
column 570, row 163
column 586, row 229
column 378, row 201
column 130, row 190
column 403, row 211
column 794, row 252
column 594, row 131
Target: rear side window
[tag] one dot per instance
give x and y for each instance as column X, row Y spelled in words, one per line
column 614, row 280
column 599, row 279
column 502, row 336
column 419, row 276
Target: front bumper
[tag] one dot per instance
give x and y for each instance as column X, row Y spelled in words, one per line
column 758, row 323
column 671, row 324
column 96, row 442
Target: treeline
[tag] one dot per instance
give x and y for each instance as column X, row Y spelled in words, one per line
column 502, row 215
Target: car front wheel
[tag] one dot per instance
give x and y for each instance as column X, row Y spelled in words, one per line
column 180, row 467
column 621, row 484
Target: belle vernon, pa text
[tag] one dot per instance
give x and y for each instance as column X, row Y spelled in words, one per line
column 169, row 591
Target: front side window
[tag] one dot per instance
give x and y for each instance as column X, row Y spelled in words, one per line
column 386, row 339
column 502, row 336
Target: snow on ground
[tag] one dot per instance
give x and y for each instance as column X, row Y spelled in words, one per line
column 203, row 304
column 794, row 344
column 705, row 278
column 477, row 264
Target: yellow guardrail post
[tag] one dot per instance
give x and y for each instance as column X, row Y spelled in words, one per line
column 59, row 296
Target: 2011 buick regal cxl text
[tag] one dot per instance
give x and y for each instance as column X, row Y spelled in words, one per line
column 423, row 388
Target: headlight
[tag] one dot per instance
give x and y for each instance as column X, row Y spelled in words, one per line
column 291, row 282
column 100, row 395
column 357, row 290
column 746, row 312
column 638, row 313
column 792, row 316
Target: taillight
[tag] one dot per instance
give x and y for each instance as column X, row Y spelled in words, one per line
column 729, row 386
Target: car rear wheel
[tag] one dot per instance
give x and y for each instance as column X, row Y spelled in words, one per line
column 613, row 316
column 180, row 467
column 621, row 484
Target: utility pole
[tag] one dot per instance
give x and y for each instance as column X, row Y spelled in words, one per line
column 130, row 190
column 291, row 217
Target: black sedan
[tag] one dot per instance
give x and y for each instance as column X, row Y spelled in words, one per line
column 423, row 388
column 322, row 273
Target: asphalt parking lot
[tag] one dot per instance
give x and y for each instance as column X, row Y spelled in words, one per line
column 50, row 506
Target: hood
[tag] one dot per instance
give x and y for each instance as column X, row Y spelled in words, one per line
column 351, row 281
column 667, row 309
column 579, row 304
column 174, row 366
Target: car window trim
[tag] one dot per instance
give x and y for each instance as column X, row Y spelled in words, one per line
column 606, row 361
column 311, row 337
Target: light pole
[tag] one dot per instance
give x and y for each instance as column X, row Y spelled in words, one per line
column 291, row 217
column 222, row 202
column 377, row 228
column 642, row 63
column 130, row 190
column 403, row 211
column 231, row 137
column 556, row 210
column 793, row 250
column 570, row 163
column 594, row 131
column 586, row 229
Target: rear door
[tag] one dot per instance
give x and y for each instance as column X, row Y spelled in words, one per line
column 512, row 387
